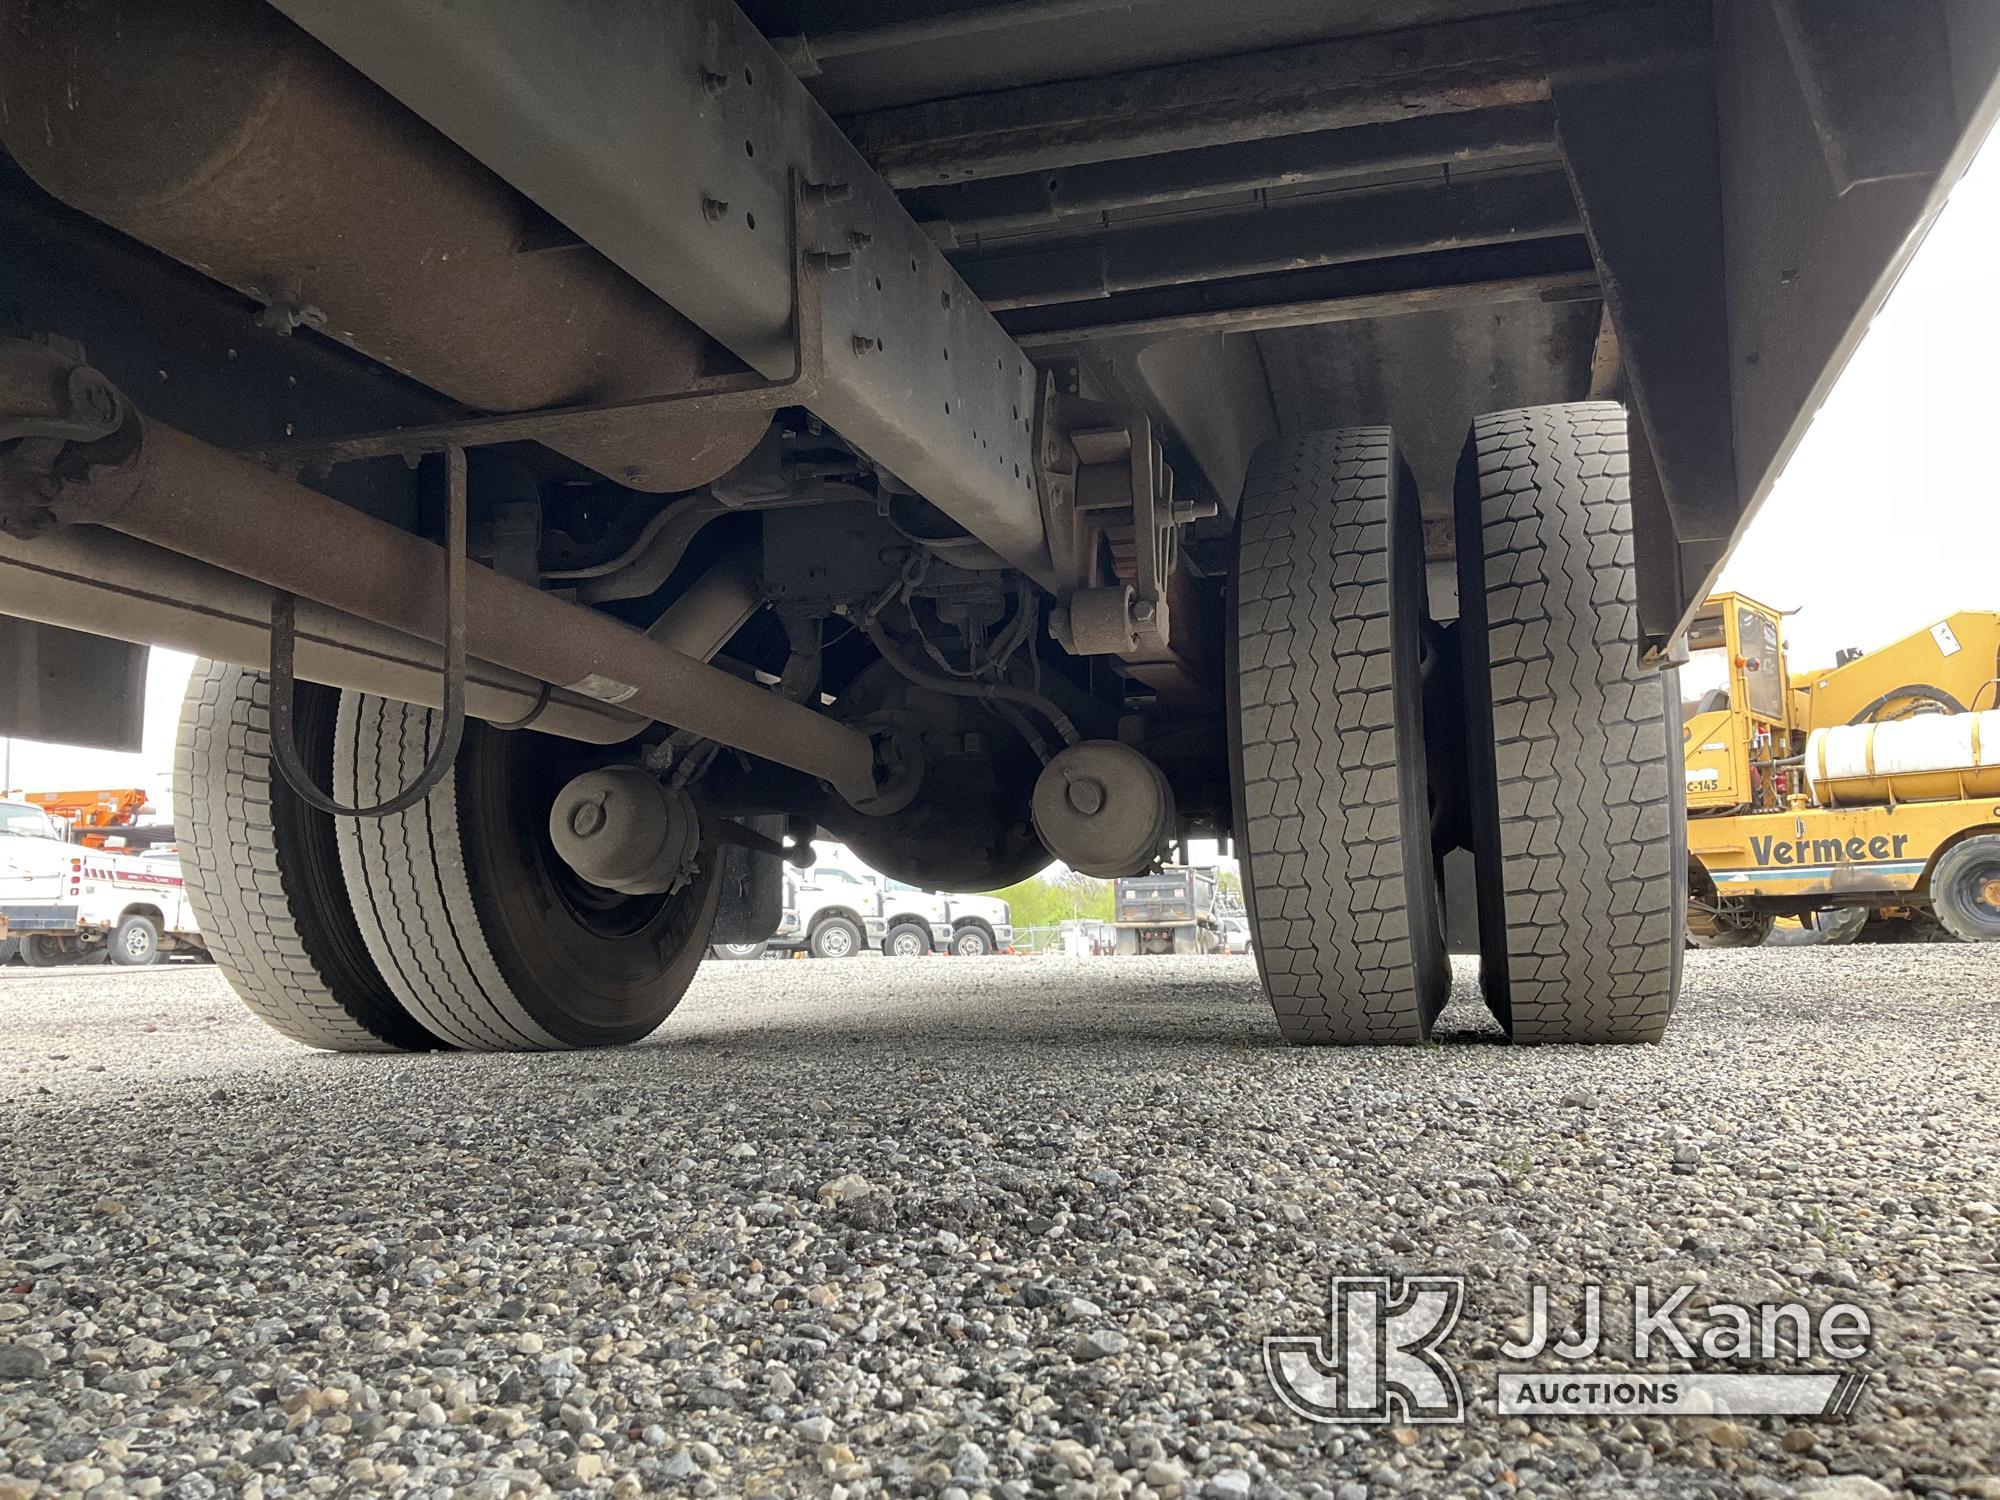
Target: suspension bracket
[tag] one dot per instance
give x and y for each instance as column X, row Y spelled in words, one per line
column 1113, row 521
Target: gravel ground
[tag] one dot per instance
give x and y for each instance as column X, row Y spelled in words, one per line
column 965, row 1227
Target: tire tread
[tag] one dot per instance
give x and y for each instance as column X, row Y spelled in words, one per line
column 406, row 874
column 1322, row 800
column 244, row 885
column 1592, row 860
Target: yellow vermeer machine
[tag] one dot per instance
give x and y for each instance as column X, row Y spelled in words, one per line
column 1871, row 786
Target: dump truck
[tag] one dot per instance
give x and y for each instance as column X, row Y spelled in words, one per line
column 1871, row 786
column 580, row 439
column 1172, row 911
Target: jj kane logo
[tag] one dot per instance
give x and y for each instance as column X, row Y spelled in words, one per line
column 1379, row 1361
column 1383, row 1357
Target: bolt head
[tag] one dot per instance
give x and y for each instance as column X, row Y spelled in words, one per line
column 586, row 819
column 1086, row 795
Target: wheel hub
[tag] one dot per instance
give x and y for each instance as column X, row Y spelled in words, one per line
column 1104, row 809
column 620, row 829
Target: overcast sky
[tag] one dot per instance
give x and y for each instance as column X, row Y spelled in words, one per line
column 1887, row 519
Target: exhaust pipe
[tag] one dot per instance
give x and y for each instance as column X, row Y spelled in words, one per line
column 222, row 135
column 93, row 580
column 157, row 484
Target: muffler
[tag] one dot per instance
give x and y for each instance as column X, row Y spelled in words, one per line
column 222, row 135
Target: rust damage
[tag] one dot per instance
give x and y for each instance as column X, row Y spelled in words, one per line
column 288, row 176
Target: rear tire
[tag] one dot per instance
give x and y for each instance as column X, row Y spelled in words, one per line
column 1913, row 927
column 482, row 931
column 1965, row 889
column 1330, row 774
column 262, row 870
column 10, row 949
column 40, row 951
column 736, row 951
column 1752, row 932
column 1832, row 928
column 1574, row 780
column 135, row 942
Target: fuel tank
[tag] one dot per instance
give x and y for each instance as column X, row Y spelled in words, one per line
column 1930, row 758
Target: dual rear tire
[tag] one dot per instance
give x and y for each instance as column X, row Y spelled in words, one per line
column 453, row 924
column 1560, row 769
column 1331, row 774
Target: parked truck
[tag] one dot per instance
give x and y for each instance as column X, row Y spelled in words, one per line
column 66, row 903
column 980, row 925
column 917, row 922
column 579, row 438
column 828, row 911
column 1870, row 786
column 1172, row 911
column 921, row 922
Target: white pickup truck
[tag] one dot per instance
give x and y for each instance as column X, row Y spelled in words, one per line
column 66, row 903
column 980, row 925
column 829, row 912
column 921, row 922
column 832, row 911
column 916, row 921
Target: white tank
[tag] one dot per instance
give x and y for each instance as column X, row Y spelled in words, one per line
column 1931, row 758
